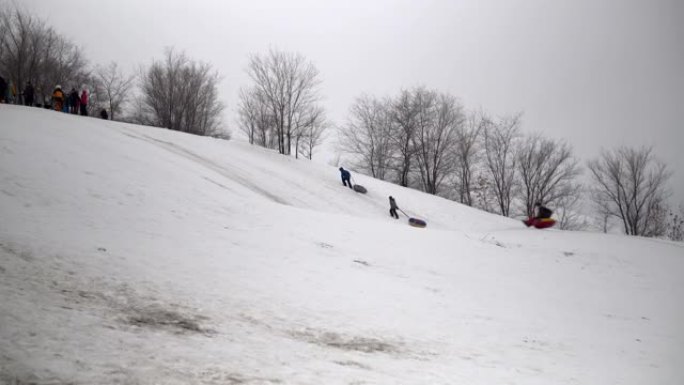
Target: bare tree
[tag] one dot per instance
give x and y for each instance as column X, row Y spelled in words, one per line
column 568, row 210
column 32, row 51
column 367, row 135
column 547, row 170
column 657, row 226
column 438, row 120
column 248, row 114
column 483, row 193
column 310, row 129
column 255, row 118
column 17, row 52
column 404, row 116
column 288, row 84
column 631, row 185
column 675, row 225
column 181, row 95
column 114, row 86
column 467, row 152
column 499, row 144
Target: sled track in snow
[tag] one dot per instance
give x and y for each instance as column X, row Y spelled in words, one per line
column 230, row 174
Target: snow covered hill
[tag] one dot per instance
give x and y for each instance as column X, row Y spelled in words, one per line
column 136, row 255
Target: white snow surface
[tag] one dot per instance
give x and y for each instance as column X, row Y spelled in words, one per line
column 138, row 255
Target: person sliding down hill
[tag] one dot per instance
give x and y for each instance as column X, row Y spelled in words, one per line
column 540, row 213
column 346, row 178
column 393, row 208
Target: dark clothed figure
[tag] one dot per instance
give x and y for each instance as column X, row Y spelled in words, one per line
column 103, row 114
column 3, row 89
column 84, row 103
column 28, row 95
column 346, row 178
column 393, row 208
column 74, row 101
column 541, row 212
column 540, row 218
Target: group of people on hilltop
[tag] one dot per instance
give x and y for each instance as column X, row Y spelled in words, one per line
column 9, row 95
column 540, row 211
column 73, row 102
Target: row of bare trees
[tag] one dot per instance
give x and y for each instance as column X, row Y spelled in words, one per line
column 426, row 140
column 281, row 109
column 31, row 51
column 177, row 92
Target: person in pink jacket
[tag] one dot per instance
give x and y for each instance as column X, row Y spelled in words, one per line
column 84, row 103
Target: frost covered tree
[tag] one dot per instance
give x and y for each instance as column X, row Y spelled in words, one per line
column 630, row 184
column 180, row 94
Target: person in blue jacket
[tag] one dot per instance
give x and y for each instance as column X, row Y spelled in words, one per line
column 346, row 178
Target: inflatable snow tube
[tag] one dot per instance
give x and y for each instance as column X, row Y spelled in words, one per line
column 544, row 223
column 540, row 223
column 417, row 222
column 360, row 189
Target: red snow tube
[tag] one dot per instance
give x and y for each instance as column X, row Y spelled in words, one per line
column 417, row 222
column 540, row 223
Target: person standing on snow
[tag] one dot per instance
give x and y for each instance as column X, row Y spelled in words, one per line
column 28, row 95
column 84, row 102
column 11, row 93
column 3, row 89
column 393, row 208
column 103, row 114
column 58, row 98
column 73, row 101
column 346, row 178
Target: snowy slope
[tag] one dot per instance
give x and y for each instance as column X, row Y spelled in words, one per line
column 135, row 255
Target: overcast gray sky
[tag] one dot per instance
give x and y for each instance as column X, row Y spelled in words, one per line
column 598, row 73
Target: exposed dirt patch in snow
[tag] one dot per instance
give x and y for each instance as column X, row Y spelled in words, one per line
column 165, row 319
column 346, row 342
column 220, row 376
column 130, row 308
column 16, row 252
column 353, row 364
column 7, row 379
